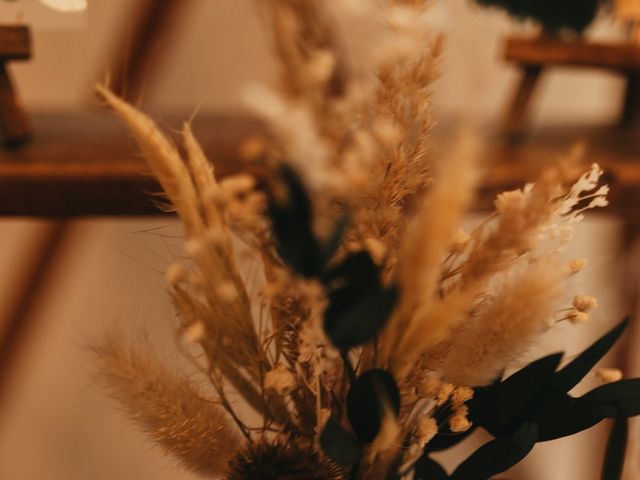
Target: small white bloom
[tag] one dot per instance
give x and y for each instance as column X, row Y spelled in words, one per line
column 576, row 316
column 280, row 380
column 577, row 265
column 584, row 303
column 426, row 429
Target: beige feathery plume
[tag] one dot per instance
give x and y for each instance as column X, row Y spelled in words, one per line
column 401, row 114
column 521, row 309
column 167, row 407
column 162, row 157
column 421, row 318
column 214, row 291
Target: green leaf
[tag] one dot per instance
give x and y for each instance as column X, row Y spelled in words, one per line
column 501, row 408
column 614, row 392
column 571, row 374
column 350, row 322
column 339, row 445
column 580, row 418
column 359, row 306
column 426, row 468
column 498, row 455
column 335, row 240
column 447, row 439
column 616, row 448
column 551, row 405
column 366, row 402
column 292, row 226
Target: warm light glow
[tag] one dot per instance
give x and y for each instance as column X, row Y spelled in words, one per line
column 66, row 5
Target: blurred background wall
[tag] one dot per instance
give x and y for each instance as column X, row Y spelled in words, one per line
column 58, row 424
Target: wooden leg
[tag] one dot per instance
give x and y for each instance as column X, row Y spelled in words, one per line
column 631, row 108
column 133, row 58
column 20, row 318
column 515, row 118
column 14, row 128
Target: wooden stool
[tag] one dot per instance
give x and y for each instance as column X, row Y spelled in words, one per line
column 15, row 44
column 535, row 55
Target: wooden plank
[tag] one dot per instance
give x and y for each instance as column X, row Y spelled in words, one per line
column 87, row 164
column 576, row 53
column 15, row 42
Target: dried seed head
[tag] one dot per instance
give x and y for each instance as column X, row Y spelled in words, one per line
column 290, row 459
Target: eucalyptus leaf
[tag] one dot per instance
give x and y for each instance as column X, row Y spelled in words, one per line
column 447, row 439
column 571, row 374
column 616, row 448
column 292, row 226
column 359, row 306
column 366, row 402
column 498, row 455
column 353, row 321
column 614, row 392
column 426, row 468
column 580, row 417
column 501, row 408
column 339, row 445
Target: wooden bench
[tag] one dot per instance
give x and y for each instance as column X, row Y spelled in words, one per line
column 535, row 55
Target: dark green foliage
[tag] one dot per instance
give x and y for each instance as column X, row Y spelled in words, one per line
column 571, row 374
column 553, row 15
column 533, row 405
column 426, row 468
column 616, row 447
column 359, row 305
column 498, row 455
column 501, row 408
column 446, row 439
column 339, row 445
column 292, row 226
column 366, row 402
column 276, row 461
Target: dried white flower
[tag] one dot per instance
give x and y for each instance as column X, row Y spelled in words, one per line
column 576, row 316
column 577, row 265
column 584, row 303
column 426, row 429
column 458, row 422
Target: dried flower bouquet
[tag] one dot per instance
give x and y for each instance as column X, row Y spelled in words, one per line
column 380, row 332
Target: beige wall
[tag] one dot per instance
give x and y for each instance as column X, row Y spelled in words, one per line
column 60, row 426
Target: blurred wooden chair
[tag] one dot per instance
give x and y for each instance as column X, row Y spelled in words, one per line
column 535, row 56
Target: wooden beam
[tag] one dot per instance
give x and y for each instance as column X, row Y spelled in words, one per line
column 140, row 44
